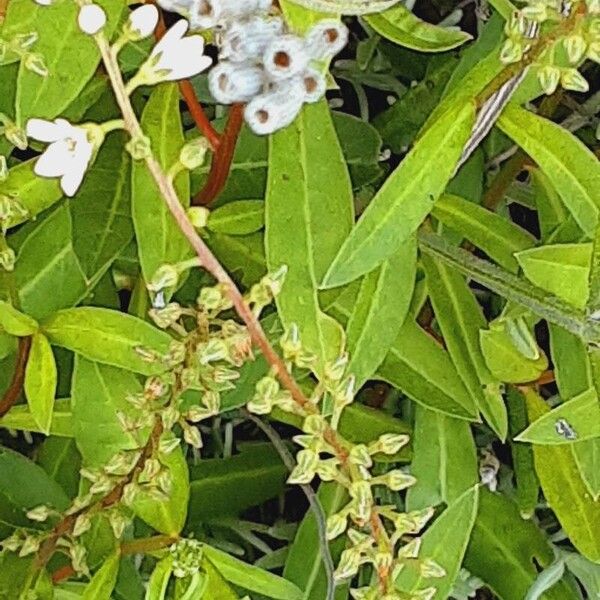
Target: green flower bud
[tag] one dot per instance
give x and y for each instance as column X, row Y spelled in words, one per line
column 329, row 469
column 305, row 470
column 572, row 79
column 349, row 564
column 575, row 45
column 336, row 525
column 36, row 64
column 15, row 135
column 430, row 569
column 193, row 154
column 165, row 278
column 82, row 524
column 511, row 52
column 118, row 521
column 139, row 147
column 30, row 545
column 192, row 435
column 40, row 513
column 389, row 443
column 359, row 455
column 549, row 78
column 410, row 550
column 396, row 480
column 198, row 216
column 3, row 168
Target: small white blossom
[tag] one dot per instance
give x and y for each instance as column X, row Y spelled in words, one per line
column 44, row 2
column 142, row 21
column 175, row 56
column 70, row 151
column 92, row 19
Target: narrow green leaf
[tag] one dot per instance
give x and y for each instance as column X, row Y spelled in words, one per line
column 405, row 199
column 460, row 318
column 215, row 483
column 308, row 189
column 20, row 418
column 40, row 381
column 70, row 55
column 564, row 488
column 60, row 458
column 252, row 578
column 216, row 588
column 496, row 236
column 304, row 564
column 109, row 337
column 238, row 218
column 570, row 166
column 402, row 27
column 501, row 537
column 562, row 269
column 159, row 580
column 444, row 460
column 104, row 580
column 15, row 322
column 159, row 239
column 444, row 542
column 379, row 311
column 573, row 421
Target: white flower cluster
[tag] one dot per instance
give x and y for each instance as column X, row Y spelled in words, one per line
column 261, row 62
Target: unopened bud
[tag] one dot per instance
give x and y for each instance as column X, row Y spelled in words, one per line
column 198, row 216
column 359, row 455
column 3, row 168
column 336, row 525
column 36, row 64
column 431, row 570
column 82, row 524
column 15, row 135
column 40, row 513
column 193, row 153
column 165, row 278
column 304, row 471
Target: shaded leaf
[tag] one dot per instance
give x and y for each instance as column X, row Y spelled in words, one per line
column 104, row 580
column 40, row 381
column 238, row 218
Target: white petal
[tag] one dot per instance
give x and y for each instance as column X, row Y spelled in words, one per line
column 71, row 181
column 171, row 39
column 186, row 60
column 91, row 19
column 42, row 130
column 143, row 20
column 54, row 161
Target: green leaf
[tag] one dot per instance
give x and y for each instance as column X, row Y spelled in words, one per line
column 48, row 273
column 252, row 578
column 216, row 588
column 167, row 516
column 109, row 337
column 571, row 167
column 159, row 580
column 444, row 542
column 159, row 239
column 419, row 367
column 402, row 27
column 40, row 381
column 20, row 418
column 405, row 199
column 496, row 236
column 379, row 311
column 33, row 192
column 444, row 460
column 104, row 580
column 238, row 218
column 23, row 486
column 501, row 537
column 60, row 458
column 215, row 483
column 573, row 421
column 505, row 361
column 101, row 214
column 564, row 489
column 562, row 269
column 20, row 578
column 99, row 393
column 304, row 564
column 70, row 55
column 460, row 319
column 15, row 322
column 308, row 190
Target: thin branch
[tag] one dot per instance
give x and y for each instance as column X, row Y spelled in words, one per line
column 222, row 158
column 320, row 517
column 11, row 395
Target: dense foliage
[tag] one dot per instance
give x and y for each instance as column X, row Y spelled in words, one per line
column 299, row 299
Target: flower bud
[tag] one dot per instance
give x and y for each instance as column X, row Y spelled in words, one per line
column 3, row 170
column 198, row 216
column 7, row 259
column 304, row 471
column 118, row 521
column 30, row 545
column 396, row 480
column 314, row 85
column 170, row 416
column 424, row 594
column 328, row 469
column 35, row 63
column 192, row 436
column 410, row 550
column 247, row 40
column 82, row 524
column 40, row 513
column 141, row 22
column 549, row 78
column 285, row 57
column 168, row 444
column 390, row 443
column 91, row 19
column 575, row 45
column 349, row 564
column 572, row 79
column 430, row 569
column 23, row 41
column 314, row 424
column 511, row 52
column 165, row 278
column 78, row 555
column 336, row 525
column 359, row 455
column 193, row 153
column 326, row 39
column 139, row 147
column 12, row 543
column 15, row 135
column 212, row 351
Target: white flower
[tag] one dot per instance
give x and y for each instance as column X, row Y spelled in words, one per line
column 175, row 56
column 44, row 2
column 69, row 153
column 92, row 19
column 142, row 21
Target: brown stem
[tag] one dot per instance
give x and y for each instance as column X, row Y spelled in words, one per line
column 16, row 385
column 146, row 545
column 222, row 158
column 62, row 574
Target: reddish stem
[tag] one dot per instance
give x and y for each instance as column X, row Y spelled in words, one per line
column 222, row 158
column 62, row 574
column 16, row 385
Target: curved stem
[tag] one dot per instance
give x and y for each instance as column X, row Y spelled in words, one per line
column 16, row 385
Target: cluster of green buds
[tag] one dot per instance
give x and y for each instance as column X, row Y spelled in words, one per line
column 559, row 62
column 379, row 536
column 18, row 47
